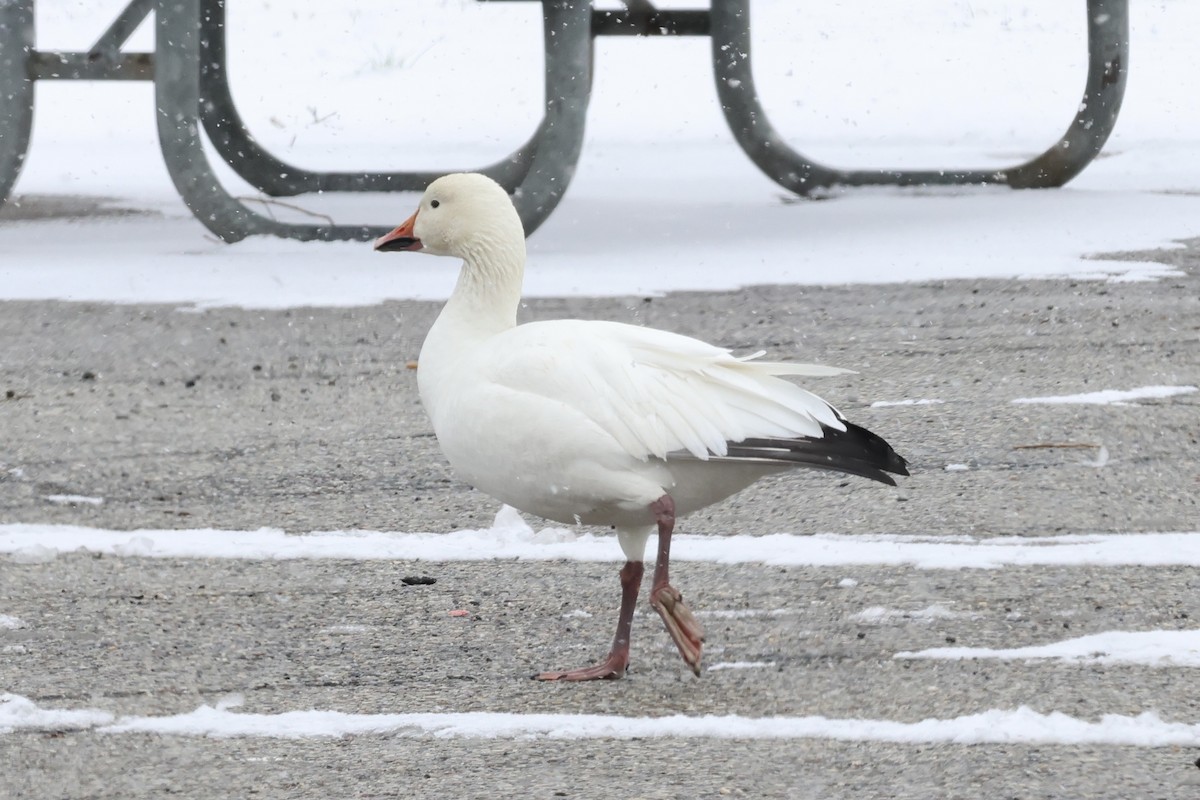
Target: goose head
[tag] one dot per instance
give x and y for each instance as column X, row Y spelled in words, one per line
column 463, row 215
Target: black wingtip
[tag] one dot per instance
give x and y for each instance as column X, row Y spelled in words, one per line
column 854, row 451
column 874, row 444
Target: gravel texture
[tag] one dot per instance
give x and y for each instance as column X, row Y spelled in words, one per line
column 309, row 420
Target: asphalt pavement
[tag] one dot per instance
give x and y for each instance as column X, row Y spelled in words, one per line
column 308, row 420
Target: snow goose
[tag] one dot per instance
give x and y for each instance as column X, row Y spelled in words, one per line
column 603, row 423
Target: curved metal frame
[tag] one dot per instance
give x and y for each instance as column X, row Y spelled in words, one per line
column 1108, row 67
column 192, row 89
column 232, row 139
column 16, row 90
column 180, row 56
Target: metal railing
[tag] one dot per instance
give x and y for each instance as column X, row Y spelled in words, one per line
column 192, row 94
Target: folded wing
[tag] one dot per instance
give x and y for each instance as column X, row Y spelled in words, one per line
column 663, row 395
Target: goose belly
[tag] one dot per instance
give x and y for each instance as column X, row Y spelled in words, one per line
column 565, row 473
column 567, row 486
column 699, row 484
column 571, row 491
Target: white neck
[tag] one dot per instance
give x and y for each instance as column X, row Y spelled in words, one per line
column 488, row 291
column 484, row 303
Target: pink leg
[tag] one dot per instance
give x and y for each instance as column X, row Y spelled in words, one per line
column 614, row 666
column 685, row 629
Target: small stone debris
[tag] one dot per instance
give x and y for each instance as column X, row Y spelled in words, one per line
column 418, row 580
column 459, row 612
column 88, row 376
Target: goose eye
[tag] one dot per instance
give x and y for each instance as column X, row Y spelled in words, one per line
column 434, row 203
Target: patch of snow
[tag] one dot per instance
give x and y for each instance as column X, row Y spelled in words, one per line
column 720, row 665
column 1101, row 459
column 1149, row 648
column 890, row 403
column 135, row 547
column 31, row 554
column 345, row 630
column 324, row 113
column 577, row 613
column 1113, row 396
column 21, row 714
column 509, row 527
column 33, row 543
column 878, row 615
column 1020, row 726
column 997, row 726
column 957, row 467
column 73, row 499
column 14, row 649
column 8, row 623
column 847, row 583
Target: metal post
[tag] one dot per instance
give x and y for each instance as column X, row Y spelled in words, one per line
column 568, row 88
column 1108, row 69
column 568, row 82
column 110, row 42
column 260, row 168
column 16, row 89
column 1108, row 23
column 181, row 25
column 177, row 96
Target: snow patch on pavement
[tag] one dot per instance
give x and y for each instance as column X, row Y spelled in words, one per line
column 511, row 538
column 1148, row 648
column 73, row 499
column 878, row 615
column 1113, row 397
column 724, row 665
column 21, row 714
column 997, row 726
column 890, row 403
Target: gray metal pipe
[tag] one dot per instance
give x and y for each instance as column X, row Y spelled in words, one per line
column 113, row 38
column 177, row 96
column 180, row 55
column 1108, row 37
column 567, row 25
column 260, row 168
column 16, row 90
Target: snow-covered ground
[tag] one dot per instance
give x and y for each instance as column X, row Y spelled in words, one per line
column 1114, row 397
column 1152, row 648
column 511, row 538
column 1022, row 725
column 661, row 183
column 988, row 84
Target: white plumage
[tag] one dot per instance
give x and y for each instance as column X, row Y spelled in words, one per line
column 601, row 422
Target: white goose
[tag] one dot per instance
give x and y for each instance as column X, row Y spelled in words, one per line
column 603, row 423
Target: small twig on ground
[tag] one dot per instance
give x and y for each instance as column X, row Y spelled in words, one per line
column 268, row 202
column 1046, row 445
column 317, row 119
